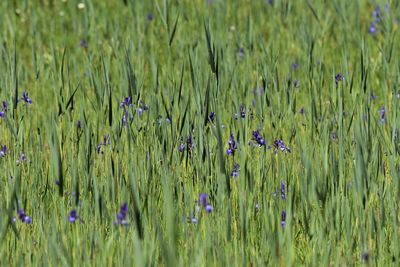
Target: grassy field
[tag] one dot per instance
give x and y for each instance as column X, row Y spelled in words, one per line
column 199, row 133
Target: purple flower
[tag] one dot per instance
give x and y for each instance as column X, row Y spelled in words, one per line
column 295, row 65
column 235, row 170
column 241, row 51
column 3, row 150
column 231, row 145
column 209, row 208
column 283, row 193
column 5, row 106
column 372, row 96
column 339, row 77
column 365, row 256
column 83, row 43
column 23, row 217
column 203, row 199
column 106, row 141
column 279, row 145
column 372, row 27
column 258, row 138
column 73, row 216
column 4, row 110
column 149, row 16
column 296, row 83
column 79, row 125
column 121, row 215
column 283, row 219
column 25, row 98
column 188, row 144
column 242, row 111
column 211, row 116
column 302, row 110
column 126, row 102
column 182, row 147
column 383, row 111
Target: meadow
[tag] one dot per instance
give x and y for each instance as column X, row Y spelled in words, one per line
column 199, row 133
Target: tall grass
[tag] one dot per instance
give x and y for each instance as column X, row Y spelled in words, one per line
column 195, row 72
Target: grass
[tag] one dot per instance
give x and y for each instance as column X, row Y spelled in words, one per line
column 179, row 61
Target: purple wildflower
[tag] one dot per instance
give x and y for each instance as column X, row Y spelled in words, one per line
column 79, row 125
column 235, row 170
column 188, row 144
column 126, row 102
column 23, row 217
column 365, row 256
column 106, row 141
column 203, row 199
column 83, row 43
column 4, row 110
column 25, row 98
column 209, row 208
column 302, row 110
column 149, row 16
column 231, row 145
column 258, row 138
column 241, row 51
column 295, row 65
column 283, row 219
column 283, row 193
column 383, row 111
column 339, row 77
column 73, row 216
column 372, row 96
column 242, row 111
column 279, row 145
column 121, row 215
column 211, row 116
column 3, row 150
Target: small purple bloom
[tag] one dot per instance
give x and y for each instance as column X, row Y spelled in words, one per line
column 235, row 170
column 121, row 215
column 73, row 216
column 203, row 199
column 372, row 96
column 83, row 43
column 149, row 16
column 4, row 110
column 339, row 77
column 79, row 125
column 188, row 144
column 182, row 147
column 25, row 98
column 24, row 217
column 5, row 106
column 242, row 111
column 383, row 111
column 3, row 150
column 283, row 193
column 209, row 208
column 283, row 219
column 295, row 65
column 211, row 116
column 365, row 256
column 302, row 110
column 241, row 52
column 126, row 102
column 279, row 145
column 372, row 27
column 231, row 145
column 258, row 138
